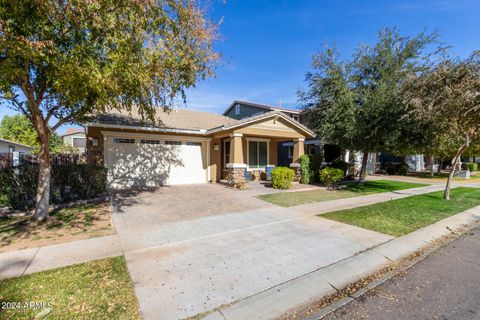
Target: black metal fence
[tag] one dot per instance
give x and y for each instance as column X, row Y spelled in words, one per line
column 16, row 159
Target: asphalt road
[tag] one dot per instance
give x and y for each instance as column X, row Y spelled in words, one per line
column 446, row 285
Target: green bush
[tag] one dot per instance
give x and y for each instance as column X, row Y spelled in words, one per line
column 330, row 176
column 315, row 166
column 396, row 168
column 68, row 182
column 340, row 164
column 282, row 178
column 305, row 169
column 472, row 166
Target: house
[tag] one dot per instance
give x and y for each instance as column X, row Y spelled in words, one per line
column 185, row 146
column 11, row 153
column 75, row 137
column 7, row 146
column 243, row 109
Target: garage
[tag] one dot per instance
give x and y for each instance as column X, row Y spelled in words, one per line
column 154, row 160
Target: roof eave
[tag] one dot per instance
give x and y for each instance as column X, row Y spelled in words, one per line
column 154, row 129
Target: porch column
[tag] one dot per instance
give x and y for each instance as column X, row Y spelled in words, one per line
column 298, row 150
column 236, row 167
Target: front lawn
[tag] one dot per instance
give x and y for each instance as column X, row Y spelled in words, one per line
column 65, row 224
column 99, row 289
column 348, row 190
column 402, row 216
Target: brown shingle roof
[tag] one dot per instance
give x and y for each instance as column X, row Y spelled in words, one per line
column 73, row 131
column 173, row 119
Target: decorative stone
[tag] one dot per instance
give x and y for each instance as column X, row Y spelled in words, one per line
column 297, row 176
column 236, row 177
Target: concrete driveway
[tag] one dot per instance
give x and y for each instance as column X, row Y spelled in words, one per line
column 191, row 249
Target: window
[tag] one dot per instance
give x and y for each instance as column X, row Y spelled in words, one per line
column 11, row 149
column 237, row 109
column 290, row 152
column 173, row 143
column 123, row 140
column 79, row 142
column 189, row 143
column 257, row 154
column 226, row 153
column 150, row 141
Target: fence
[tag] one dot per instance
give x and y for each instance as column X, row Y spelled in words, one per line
column 15, row 159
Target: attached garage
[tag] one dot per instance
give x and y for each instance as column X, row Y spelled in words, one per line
column 154, row 160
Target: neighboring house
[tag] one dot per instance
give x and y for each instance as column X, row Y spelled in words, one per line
column 75, row 137
column 7, row 146
column 11, row 153
column 243, row 109
column 185, row 147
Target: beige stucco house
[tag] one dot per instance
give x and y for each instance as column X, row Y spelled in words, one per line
column 186, row 147
column 75, row 137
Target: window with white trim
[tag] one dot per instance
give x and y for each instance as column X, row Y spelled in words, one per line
column 257, row 154
column 190, row 143
column 123, row 140
column 173, row 142
column 226, row 153
column 237, row 109
column 145, row 141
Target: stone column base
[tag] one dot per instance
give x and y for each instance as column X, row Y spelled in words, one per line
column 236, row 175
column 297, row 176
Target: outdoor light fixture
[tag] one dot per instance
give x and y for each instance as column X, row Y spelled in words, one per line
column 215, row 147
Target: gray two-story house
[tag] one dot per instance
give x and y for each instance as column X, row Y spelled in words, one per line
column 242, row 109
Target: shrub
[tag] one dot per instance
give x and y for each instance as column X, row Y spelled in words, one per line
column 330, row 176
column 340, row 164
column 472, row 166
column 305, row 169
column 68, row 182
column 315, row 166
column 282, row 178
column 396, row 168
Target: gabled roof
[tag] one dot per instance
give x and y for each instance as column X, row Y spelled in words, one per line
column 185, row 121
column 264, row 116
column 262, row 106
column 71, row 131
column 179, row 120
column 15, row 143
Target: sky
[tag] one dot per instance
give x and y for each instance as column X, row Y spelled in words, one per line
column 267, row 46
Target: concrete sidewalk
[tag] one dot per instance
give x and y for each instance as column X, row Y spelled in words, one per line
column 17, row 263
column 312, row 287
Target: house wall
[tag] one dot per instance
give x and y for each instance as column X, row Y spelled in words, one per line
column 5, row 148
column 245, row 111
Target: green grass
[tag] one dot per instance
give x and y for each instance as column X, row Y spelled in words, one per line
column 402, row 216
column 443, row 176
column 99, row 289
column 348, row 190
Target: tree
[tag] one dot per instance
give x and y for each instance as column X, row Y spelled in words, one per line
column 19, row 129
column 355, row 104
column 61, row 61
column 449, row 96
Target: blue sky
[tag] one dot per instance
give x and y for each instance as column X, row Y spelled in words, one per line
column 267, row 46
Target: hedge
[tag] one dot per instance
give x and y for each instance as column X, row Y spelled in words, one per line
column 282, row 178
column 68, row 182
column 305, row 169
column 330, row 176
column 472, row 166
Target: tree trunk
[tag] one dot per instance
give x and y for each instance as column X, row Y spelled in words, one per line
column 440, row 165
column 363, row 169
column 455, row 162
column 43, row 188
column 432, row 163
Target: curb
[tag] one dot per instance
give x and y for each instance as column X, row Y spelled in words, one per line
column 298, row 293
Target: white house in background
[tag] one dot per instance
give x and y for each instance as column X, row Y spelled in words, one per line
column 7, row 146
column 75, row 137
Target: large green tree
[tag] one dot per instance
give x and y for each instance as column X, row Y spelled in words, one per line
column 448, row 97
column 18, row 128
column 62, row 60
column 355, row 103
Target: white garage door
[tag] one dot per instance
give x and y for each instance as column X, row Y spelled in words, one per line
column 140, row 162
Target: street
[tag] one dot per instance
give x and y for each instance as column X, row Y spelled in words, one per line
column 446, row 285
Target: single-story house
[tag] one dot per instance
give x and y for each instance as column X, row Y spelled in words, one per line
column 75, row 137
column 7, row 146
column 186, row 147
